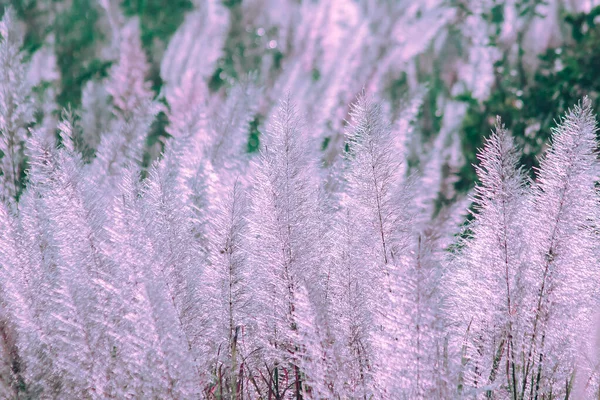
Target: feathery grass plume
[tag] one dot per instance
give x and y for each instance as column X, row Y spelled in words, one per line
column 283, row 229
column 373, row 177
column 374, row 207
column 231, row 122
column 187, row 112
column 406, row 133
column 152, row 327
column 67, row 296
column 189, row 126
column 351, row 310
column 413, row 319
column 229, row 307
column 312, row 355
column 79, row 237
column 121, row 146
column 168, row 218
column 425, row 360
column 16, row 107
column 13, row 311
column 193, row 51
column 562, row 277
column 213, row 144
column 411, row 359
column 25, row 369
column 141, row 364
column 586, row 383
column 438, row 166
column 133, row 108
column 484, row 283
column 127, row 81
column 87, row 277
column 122, row 347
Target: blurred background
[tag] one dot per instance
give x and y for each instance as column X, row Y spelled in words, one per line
column 460, row 62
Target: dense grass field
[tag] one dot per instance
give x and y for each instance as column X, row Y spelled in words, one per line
column 266, row 199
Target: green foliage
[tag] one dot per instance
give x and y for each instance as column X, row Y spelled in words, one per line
column 156, row 137
column 158, row 22
column 254, row 137
column 528, row 103
column 26, row 11
column 75, row 38
column 76, row 35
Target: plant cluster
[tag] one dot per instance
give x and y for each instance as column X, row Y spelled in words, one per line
column 309, row 269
